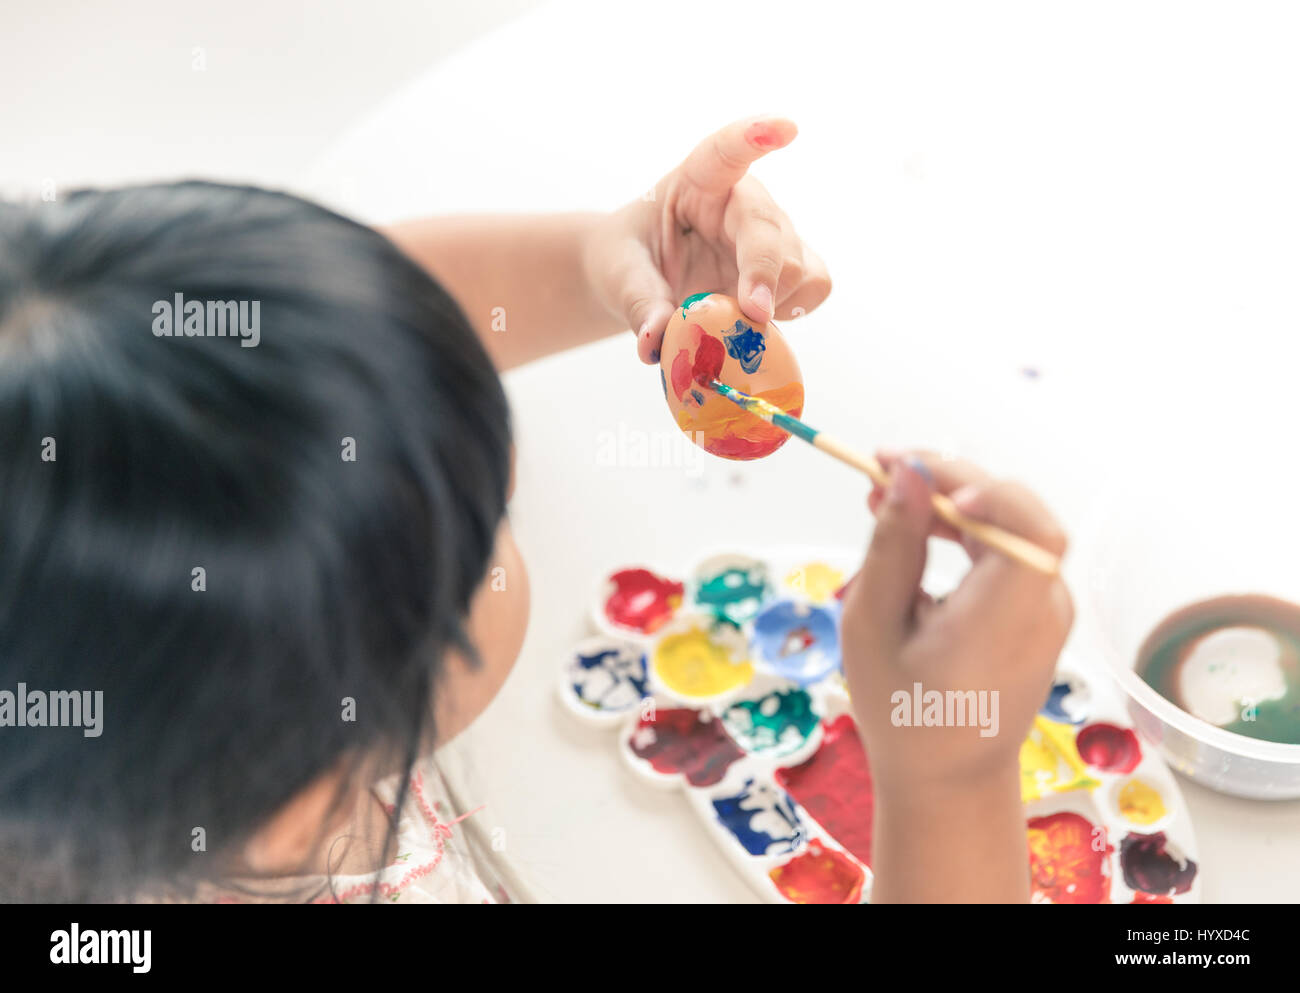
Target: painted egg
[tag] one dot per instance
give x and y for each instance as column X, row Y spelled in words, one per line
column 709, row 338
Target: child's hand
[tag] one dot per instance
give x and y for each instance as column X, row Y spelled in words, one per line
column 708, row 227
column 1000, row 630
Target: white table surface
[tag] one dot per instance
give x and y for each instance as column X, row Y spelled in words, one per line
column 1106, row 193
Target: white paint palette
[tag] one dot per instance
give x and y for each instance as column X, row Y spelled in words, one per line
column 726, row 684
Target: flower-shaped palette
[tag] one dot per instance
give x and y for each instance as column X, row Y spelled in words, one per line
column 727, row 684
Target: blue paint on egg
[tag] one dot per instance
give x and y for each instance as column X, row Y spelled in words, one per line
column 745, row 345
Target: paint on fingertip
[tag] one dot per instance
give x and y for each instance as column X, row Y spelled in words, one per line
column 921, row 469
column 899, row 487
column 762, row 135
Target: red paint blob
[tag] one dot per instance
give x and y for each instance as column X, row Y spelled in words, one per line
column 1068, row 859
column 834, row 787
column 708, row 359
column 681, row 373
column 819, row 875
column 641, row 600
column 1150, row 867
column 740, row 449
column 679, row 741
column 1109, row 748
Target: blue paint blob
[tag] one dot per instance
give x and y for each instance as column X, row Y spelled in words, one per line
column 663, row 382
column 1068, row 702
column 798, row 641
column 745, row 345
column 762, row 818
column 611, row 679
column 698, row 397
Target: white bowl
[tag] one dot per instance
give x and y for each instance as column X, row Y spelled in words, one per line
column 1186, row 528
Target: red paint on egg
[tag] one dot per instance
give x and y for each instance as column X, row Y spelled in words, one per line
column 641, row 600
column 708, row 359
column 681, row 373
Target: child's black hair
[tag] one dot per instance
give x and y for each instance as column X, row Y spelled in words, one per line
column 128, row 460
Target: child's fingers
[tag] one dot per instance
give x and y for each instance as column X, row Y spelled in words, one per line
column 1013, row 508
column 720, row 161
column 947, row 473
column 768, row 252
column 642, row 294
column 650, row 332
column 812, row 289
column 953, row 477
column 884, row 591
column 1001, row 599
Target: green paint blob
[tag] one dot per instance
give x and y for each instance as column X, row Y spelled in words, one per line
column 733, row 595
column 1162, row 656
column 777, row 723
column 693, row 298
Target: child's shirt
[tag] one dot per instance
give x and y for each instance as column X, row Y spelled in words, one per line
column 433, row 862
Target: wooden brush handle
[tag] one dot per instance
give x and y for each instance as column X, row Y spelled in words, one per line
column 1012, row 545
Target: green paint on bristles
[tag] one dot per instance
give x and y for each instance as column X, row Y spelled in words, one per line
column 795, row 426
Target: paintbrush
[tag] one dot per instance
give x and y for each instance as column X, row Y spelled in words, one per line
column 1011, row 545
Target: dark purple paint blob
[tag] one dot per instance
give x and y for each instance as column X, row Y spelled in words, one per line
column 685, row 741
column 1150, row 867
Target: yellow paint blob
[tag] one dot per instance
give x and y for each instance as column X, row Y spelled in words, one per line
column 816, row 580
column 1050, row 762
column 693, row 664
column 1141, row 803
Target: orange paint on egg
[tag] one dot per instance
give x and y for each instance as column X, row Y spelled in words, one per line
column 733, row 433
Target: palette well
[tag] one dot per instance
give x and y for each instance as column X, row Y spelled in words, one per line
column 726, row 684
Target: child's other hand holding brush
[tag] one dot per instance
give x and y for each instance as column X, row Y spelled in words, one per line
column 949, row 823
